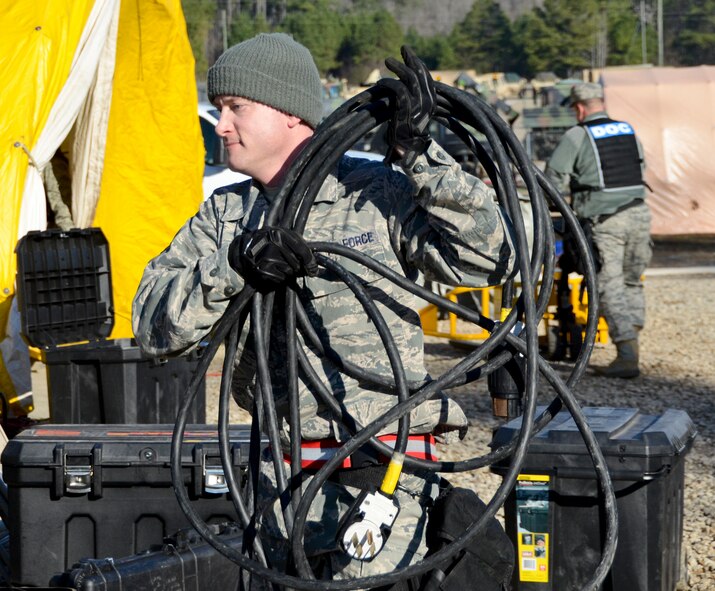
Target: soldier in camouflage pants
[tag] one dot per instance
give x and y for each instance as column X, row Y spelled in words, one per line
column 624, row 248
column 432, row 219
column 601, row 161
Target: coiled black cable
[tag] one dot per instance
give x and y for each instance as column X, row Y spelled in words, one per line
column 291, row 209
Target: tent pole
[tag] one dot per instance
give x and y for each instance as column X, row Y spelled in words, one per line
column 660, row 33
column 644, row 48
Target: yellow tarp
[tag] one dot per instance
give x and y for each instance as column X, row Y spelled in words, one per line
column 154, row 160
column 37, row 44
column 154, row 151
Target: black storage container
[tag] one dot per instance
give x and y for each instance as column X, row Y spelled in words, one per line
column 185, row 562
column 65, row 296
column 114, row 382
column 94, row 491
column 553, row 515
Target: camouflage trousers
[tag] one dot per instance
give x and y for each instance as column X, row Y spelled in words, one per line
column 625, row 248
column 405, row 545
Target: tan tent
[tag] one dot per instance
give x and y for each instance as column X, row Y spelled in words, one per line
column 673, row 113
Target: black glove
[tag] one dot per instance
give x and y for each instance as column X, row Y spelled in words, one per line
column 270, row 257
column 415, row 100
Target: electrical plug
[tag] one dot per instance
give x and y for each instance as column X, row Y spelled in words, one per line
column 368, row 525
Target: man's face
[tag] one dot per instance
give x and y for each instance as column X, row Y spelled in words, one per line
column 255, row 136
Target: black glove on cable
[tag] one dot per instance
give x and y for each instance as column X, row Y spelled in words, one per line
column 415, row 98
column 270, row 257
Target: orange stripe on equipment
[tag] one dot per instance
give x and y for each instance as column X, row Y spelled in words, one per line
column 316, row 453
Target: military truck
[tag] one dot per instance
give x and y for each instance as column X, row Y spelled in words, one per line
column 546, row 124
column 544, row 127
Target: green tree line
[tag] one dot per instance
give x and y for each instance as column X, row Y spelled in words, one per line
column 563, row 36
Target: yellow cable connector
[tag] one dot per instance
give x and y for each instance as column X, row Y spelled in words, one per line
column 392, row 476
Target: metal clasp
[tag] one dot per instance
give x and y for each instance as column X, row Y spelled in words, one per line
column 78, row 479
column 214, row 480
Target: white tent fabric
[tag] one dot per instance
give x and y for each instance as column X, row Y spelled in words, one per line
column 64, row 112
column 90, row 133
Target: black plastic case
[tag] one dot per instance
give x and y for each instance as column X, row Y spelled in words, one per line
column 64, row 295
column 556, row 500
column 114, row 382
column 64, row 286
column 94, row 491
column 184, row 562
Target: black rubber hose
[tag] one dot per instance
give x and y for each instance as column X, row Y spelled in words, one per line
column 291, row 337
column 225, row 443
column 572, row 376
column 251, row 544
column 508, row 480
column 303, row 182
column 264, row 390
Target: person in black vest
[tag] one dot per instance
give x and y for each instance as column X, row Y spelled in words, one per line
column 600, row 161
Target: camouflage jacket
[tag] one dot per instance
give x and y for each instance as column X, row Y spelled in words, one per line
column 435, row 219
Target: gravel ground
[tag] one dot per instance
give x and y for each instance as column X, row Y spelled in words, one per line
column 677, row 346
column 677, row 372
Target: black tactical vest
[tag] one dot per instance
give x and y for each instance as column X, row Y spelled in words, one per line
column 616, row 150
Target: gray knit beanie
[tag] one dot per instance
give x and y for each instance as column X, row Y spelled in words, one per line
column 273, row 69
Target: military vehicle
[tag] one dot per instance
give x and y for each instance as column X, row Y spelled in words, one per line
column 544, row 128
column 546, row 124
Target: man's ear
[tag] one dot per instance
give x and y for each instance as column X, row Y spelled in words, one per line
column 580, row 111
column 293, row 121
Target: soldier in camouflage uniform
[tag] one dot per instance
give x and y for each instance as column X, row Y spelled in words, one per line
column 433, row 218
column 602, row 162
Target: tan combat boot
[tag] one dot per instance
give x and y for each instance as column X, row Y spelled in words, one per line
column 625, row 365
